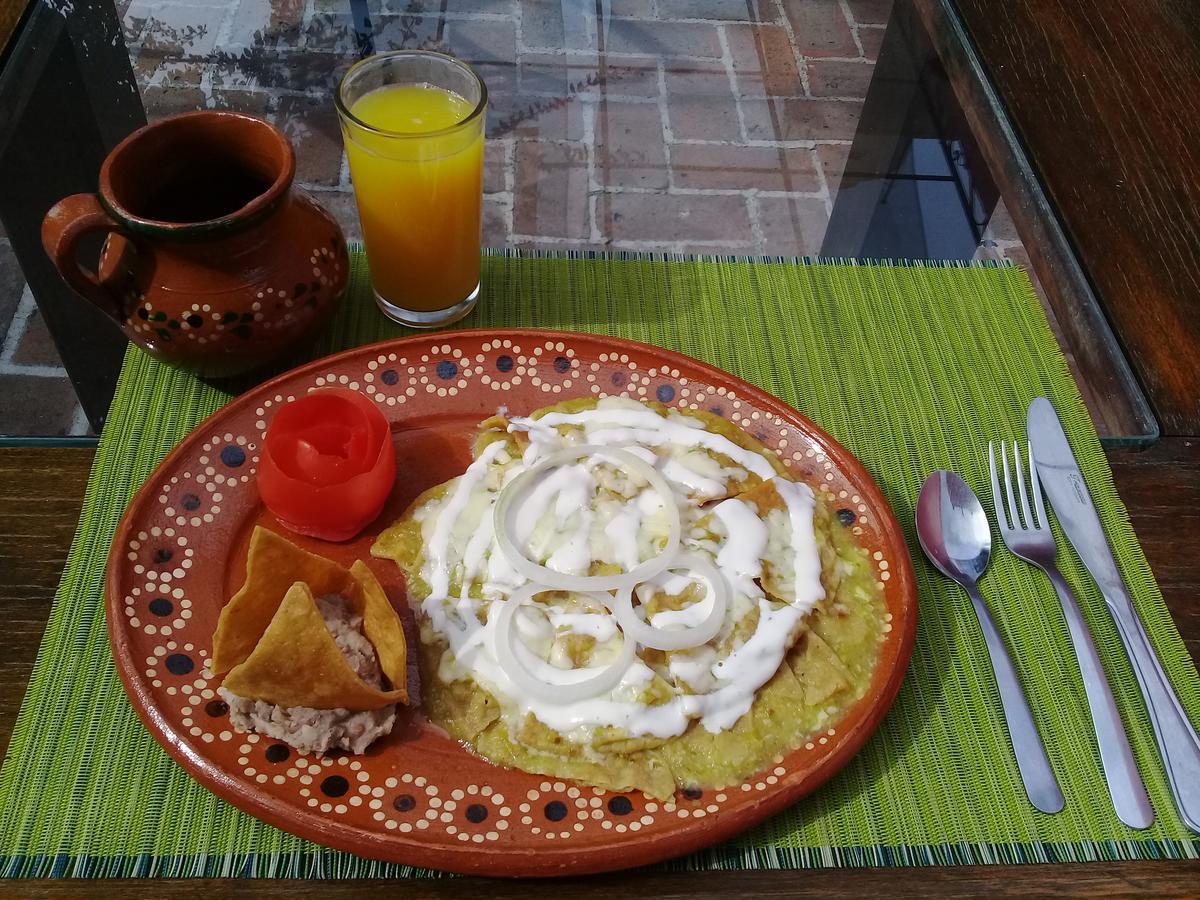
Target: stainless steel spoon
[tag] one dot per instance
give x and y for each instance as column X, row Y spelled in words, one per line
column 955, row 535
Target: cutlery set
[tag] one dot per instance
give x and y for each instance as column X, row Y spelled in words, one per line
column 955, row 534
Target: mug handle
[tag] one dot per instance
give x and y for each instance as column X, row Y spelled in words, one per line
column 65, row 225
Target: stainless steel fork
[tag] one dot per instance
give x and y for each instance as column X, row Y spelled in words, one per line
column 1033, row 542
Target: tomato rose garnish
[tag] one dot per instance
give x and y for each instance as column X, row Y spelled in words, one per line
column 328, row 464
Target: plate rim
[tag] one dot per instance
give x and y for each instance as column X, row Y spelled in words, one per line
column 522, row 862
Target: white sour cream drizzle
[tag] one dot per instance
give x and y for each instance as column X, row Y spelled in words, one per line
column 745, row 536
column 600, row 626
column 563, row 518
column 624, row 422
column 622, row 532
column 807, row 573
column 688, row 617
column 438, row 545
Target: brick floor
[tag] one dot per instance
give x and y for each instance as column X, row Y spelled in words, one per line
column 658, row 38
column 791, row 226
column 36, row 347
column 695, row 126
column 35, row 396
column 689, row 217
column 37, row 405
column 869, row 12
column 551, row 190
column 821, row 29
column 733, row 168
column 312, row 123
column 870, row 37
column 496, row 166
column 764, row 61
column 833, row 163
column 631, row 146
column 542, row 26
column 701, row 104
column 720, row 10
column 497, row 220
column 800, row 119
column 839, row 78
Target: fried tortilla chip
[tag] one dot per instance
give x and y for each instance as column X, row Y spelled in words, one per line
column 273, row 564
column 818, row 668
column 273, row 641
column 298, row 663
column 382, row 627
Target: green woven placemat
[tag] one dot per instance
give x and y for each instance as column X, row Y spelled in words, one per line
column 913, row 367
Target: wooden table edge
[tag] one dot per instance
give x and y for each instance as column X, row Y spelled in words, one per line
column 1142, row 878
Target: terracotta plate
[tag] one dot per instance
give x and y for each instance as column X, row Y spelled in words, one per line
column 418, row 797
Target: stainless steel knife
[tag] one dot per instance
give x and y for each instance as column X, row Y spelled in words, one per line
column 1063, row 482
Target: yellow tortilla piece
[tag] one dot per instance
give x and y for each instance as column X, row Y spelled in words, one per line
column 272, row 564
column 819, row 670
column 382, row 627
column 402, row 541
column 460, row 707
column 298, row 663
column 646, row 772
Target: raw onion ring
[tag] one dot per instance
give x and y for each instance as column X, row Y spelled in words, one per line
column 600, row 679
column 562, row 580
column 638, row 629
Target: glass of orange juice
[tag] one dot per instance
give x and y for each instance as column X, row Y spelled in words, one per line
column 412, row 121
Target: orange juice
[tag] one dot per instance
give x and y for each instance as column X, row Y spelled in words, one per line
column 419, row 184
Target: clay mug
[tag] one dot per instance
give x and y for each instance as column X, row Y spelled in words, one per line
column 211, row 261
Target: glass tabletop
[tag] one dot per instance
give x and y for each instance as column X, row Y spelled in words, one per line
column 780, row 128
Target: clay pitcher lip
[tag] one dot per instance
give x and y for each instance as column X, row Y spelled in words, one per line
column 246, row 140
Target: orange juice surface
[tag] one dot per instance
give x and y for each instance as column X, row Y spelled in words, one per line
column 419, row 195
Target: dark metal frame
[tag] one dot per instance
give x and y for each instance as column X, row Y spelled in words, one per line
column 928, row 67
column 881, row 200
column 67, row 97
